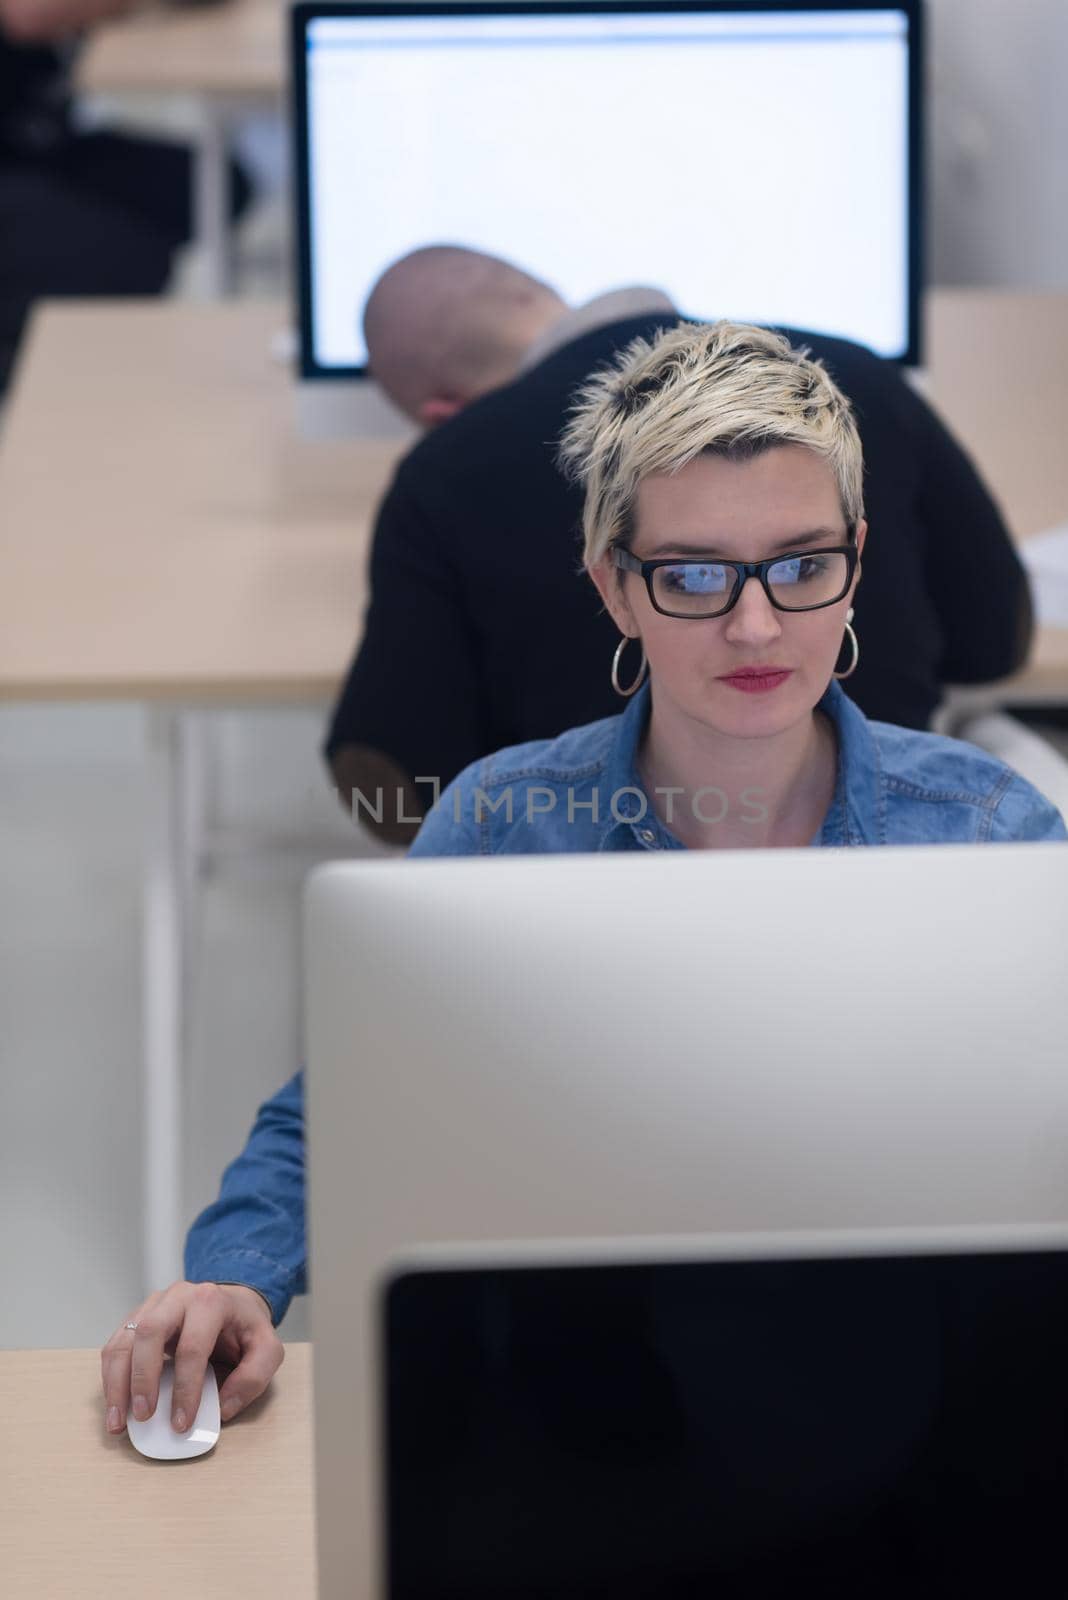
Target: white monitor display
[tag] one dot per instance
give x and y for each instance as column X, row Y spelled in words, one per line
column 755, row 163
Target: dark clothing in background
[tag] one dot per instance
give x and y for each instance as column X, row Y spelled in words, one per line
column 81, row 214
column 481, row 632
column 33, row 98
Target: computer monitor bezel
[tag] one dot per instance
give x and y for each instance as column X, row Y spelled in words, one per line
column 308, row 11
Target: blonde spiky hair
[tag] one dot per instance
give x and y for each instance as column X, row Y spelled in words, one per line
column 723, row 387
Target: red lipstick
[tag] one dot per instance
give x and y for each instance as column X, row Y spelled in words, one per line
column 757, row 680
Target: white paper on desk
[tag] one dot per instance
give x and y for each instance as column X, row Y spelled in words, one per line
column 1046, row 559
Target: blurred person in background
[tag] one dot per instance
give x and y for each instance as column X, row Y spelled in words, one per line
column 82, row 212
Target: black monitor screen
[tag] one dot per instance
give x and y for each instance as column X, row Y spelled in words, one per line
column 883, row 1426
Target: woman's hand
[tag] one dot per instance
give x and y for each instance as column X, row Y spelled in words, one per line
column 199, row 1322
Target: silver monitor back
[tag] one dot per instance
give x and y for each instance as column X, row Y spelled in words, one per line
column 630, row 1047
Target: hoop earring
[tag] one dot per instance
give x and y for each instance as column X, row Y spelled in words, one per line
column 639, row 680
column 851, row 636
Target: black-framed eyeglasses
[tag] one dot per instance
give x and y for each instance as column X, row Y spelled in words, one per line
column 800, row 580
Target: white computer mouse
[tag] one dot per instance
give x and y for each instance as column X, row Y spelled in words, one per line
column 156, row 1438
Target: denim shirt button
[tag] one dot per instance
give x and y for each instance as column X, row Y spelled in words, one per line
column 647, row 836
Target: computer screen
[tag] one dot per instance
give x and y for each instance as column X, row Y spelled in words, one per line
column 876, row 1425
column 754, row 161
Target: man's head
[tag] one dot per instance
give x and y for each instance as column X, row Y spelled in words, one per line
column 444, row 325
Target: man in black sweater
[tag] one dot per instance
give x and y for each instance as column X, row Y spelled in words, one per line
column 477, row 541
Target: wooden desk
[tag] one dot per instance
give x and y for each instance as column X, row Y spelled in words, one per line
column 232, row 50
column 82, row 1514
column 222, row 59
column 997, row 364
column 164, row 533
column 998, row 371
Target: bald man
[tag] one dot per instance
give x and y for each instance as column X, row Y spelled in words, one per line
column 480, row 631
column 446, row 325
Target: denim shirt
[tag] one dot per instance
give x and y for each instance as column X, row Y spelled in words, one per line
column 581, row 792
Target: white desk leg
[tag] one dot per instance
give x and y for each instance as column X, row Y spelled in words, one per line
column 161, row 982
column 191, row 799
column 211, row 201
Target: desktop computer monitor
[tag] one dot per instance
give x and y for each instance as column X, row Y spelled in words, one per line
column 627, row 1048
column 755, row 160
column 750, row 1418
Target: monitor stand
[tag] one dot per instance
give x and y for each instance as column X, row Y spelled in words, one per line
column 351, row 408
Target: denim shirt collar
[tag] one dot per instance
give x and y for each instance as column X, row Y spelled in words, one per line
column 856, row 815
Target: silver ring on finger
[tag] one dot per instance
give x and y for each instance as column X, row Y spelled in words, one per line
column 132, row 1326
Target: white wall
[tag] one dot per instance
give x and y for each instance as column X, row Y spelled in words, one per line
column 998, row 142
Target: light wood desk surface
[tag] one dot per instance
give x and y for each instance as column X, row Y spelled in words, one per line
column 166, row 535
column 164, row 532
column 998, row 367
column 997, row 362
column 233, row 50
column 83, row 1515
